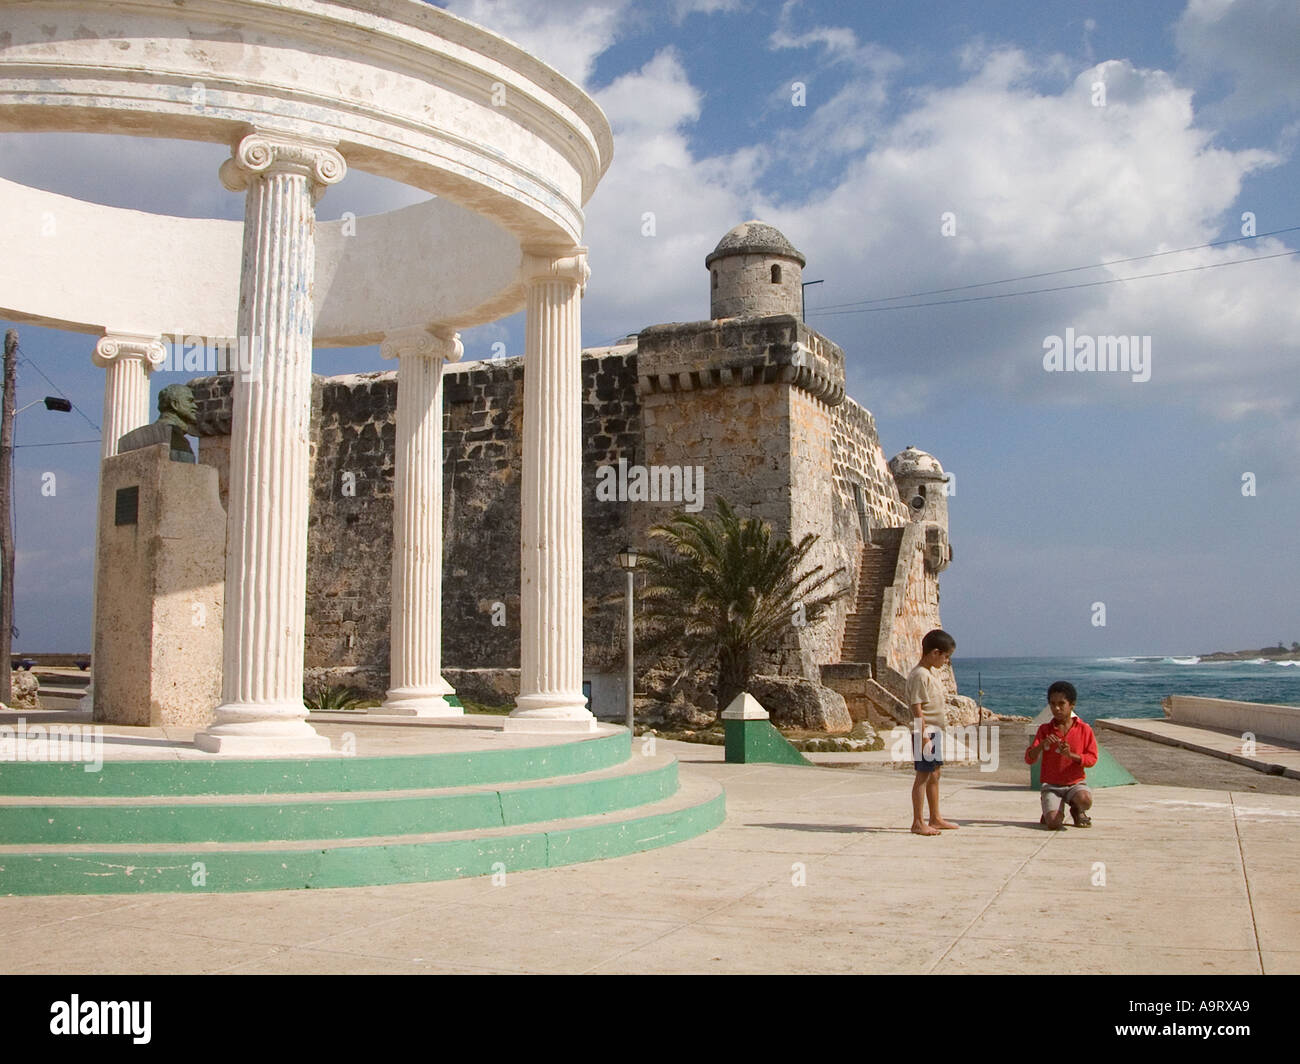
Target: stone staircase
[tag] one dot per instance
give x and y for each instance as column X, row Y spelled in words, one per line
column 875, row 573
column 199, row 826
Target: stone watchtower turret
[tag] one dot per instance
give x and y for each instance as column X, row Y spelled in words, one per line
column 747, row 402
column 753, row 272
column 922, row 485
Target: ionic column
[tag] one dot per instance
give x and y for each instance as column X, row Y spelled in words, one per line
column 415, row 633
column 262, row 711
column 128, row 358
column 550, row 680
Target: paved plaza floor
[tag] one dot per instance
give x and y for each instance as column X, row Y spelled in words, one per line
column 814, row 871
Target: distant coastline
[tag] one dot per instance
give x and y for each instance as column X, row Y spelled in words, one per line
column 1277, row 653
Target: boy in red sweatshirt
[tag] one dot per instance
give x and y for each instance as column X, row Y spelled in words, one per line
column 1068, row 746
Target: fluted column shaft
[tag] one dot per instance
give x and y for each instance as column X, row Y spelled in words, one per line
column 416, row 685
column 261, row 709
column 128, row 359
column 550, row 681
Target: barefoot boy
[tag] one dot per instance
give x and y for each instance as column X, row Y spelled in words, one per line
column 926, row 697
column 1068, row 746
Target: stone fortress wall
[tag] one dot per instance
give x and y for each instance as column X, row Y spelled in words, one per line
column 755, row 403
column 350, row 530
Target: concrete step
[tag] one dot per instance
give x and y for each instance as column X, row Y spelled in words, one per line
column 209, row 776
column 333, row 814
column 697, row 806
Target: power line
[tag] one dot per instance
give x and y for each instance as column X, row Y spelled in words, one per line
column 1053, row 273
column 28, row 359
column 67, row 443
column 1056, row 288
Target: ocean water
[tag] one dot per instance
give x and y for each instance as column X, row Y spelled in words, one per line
column 1122, row 686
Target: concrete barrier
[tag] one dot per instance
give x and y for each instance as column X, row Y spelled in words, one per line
column 1261, row 719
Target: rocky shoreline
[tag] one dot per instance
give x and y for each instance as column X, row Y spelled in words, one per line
column 1277, row 653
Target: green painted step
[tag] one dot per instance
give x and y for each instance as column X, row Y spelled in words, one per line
column 699, row 806
column 294, row 776
column 639, row 781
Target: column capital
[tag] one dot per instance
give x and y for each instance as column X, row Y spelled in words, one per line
column 117, row 347
column 422, row 342
column 261, row 153
column 566, row 264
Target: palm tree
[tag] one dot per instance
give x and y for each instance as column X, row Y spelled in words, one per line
column 725, row 588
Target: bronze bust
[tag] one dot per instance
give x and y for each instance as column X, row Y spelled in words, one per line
column 176, row 418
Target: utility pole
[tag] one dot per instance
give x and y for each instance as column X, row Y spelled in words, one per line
column 6, row 524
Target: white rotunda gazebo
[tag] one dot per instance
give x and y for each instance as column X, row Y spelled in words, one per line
column 303, row 91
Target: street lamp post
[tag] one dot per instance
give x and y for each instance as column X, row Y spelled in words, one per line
column 627, row 559
column 7, row 416
column 52, row 402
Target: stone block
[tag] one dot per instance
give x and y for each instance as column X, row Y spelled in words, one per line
column 24, row 690
column 162, row 562
column 794, row 702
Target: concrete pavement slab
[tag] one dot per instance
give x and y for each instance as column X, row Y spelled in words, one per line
column 270, row 919
column 23, row 914
column 1278, row 962
column 323, row 962
column 1039, row 957
column 100, row 946
column 705, row 948
column 988, row 897
column 1115, row 920
column 519, row 940
column 1261, row 754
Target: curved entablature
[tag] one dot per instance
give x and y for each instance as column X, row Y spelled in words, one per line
column 150, row 273
column 402, row 89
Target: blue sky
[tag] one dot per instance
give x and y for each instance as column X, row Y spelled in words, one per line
column 1071, row 488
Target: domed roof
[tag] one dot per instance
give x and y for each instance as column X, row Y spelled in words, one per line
column 913, row 462
column 755, row 238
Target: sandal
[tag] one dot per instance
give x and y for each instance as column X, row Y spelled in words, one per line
column 1081, row 820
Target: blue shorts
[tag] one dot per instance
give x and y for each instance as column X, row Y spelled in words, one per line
column 930, row 750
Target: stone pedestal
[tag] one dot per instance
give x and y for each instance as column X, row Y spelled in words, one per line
column 161, row 564
column 550, row 584
column 262, row 711
column 127, row 359
column 417, row 687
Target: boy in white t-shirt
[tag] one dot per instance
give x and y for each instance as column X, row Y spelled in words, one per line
column 928, row 702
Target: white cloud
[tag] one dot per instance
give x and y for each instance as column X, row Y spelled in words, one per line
column 655, row 181
column 1038, row 181
column 659, row 97
column 842, row 120
column 567, row 34
column 1255, row 42
column 683, row 8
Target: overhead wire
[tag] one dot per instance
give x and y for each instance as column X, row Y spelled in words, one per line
column 30, row 361
column 1068, row 269
column 1054, row 288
